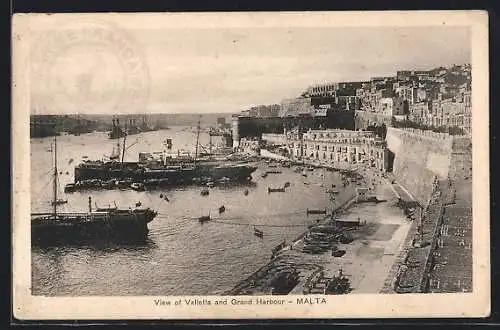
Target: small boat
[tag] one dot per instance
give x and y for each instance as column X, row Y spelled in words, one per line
column 286, row 185
column 310, row 168
column 225, row 180
column 205, row 192
column 69, row 188
column 270, row 190
column 264, row 175
column 137, row 186
column 258, row 232
column 85, row 157
column 210, row 184
column 331, row 191
column 222, row 209
column 304, row 174
column 338, row 253
column 166, row 198
column 122, row 184
column 313, row 211
column 246, row 192
column 59, row 202
column 204, row 218
column 108, row 184
column 274, row 172
column 138, row 204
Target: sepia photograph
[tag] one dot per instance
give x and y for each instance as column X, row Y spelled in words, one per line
column 248, row 165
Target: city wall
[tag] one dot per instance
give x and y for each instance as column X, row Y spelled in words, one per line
column 419, row 158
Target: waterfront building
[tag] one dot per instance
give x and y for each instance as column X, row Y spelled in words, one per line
column 334, row 147
column 343, row 146
column 249, row 146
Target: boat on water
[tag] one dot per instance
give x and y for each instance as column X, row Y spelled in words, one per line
column 258, row 232
column 137, row 186
column 101, row 224
column 270, row 190
column 204, row 218
column 315, row 211
column 59, row 202
column 204, row 192
column 174, row 171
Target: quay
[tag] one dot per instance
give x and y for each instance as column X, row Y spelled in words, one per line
column 366, row 256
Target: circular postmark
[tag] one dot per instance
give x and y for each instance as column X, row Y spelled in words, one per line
column 88, row 66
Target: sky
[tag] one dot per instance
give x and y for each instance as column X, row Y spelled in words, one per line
column 228, row 70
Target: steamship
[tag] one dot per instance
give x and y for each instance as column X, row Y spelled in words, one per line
column 173, row 171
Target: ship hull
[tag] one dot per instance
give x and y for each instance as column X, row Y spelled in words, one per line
column 123, row 227
column 174, row 175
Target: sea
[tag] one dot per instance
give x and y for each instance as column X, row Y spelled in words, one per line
column 181, row 256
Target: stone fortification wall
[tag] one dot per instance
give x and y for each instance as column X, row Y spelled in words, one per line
column 419, row 158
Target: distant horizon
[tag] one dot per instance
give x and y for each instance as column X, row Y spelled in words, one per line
column 136, row 114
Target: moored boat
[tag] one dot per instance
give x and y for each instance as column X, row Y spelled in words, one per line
column 270, row 190
column 54, row 228
column 137, row 186
column 258, row 232
column 204, row 218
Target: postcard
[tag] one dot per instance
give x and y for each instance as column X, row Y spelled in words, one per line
column 250, row 165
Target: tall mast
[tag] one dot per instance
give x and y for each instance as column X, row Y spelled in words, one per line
column 124, row 139
column 54, row 202
column 210, row 146
column 197, row 140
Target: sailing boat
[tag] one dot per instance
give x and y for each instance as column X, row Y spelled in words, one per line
column 102, row 223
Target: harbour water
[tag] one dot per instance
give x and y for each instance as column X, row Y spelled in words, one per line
column 182, row 256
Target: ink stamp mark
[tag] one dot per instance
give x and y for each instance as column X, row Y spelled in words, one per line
column 88, row 65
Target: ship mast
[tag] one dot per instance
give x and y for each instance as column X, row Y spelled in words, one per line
column 54, row 202
column 124, row 139
column 210, row 146
column 197, row 140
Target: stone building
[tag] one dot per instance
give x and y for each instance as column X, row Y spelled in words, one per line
column 331, row 147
